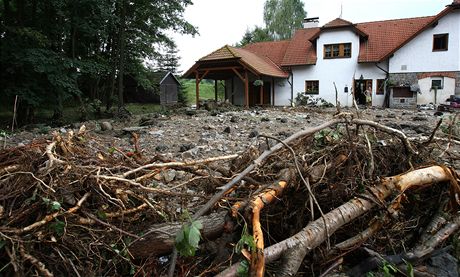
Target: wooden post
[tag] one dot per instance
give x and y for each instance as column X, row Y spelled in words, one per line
column 273, row 91
column 197, row 89
column 246, row 89
column 261, row 94
column 215, row 89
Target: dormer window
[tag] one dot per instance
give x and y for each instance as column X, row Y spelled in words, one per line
column 341, row 50
column 440, row 42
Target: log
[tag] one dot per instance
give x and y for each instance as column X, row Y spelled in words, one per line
column 313, row 234
column 159, row 239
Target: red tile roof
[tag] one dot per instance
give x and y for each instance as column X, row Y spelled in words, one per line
column 274, row 50
column 301, row 51
column 386, row 36
column 379, row 40
column 336, row 23
column 260, row 64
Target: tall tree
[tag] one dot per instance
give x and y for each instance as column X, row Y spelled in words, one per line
column 58, row 50
column 168, row 60
column 283, row 17
column 257, row 34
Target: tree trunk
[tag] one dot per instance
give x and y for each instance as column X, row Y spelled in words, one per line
column 122, row 54
column 160, row 240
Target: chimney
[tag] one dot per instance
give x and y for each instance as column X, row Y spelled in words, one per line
column 311, row 22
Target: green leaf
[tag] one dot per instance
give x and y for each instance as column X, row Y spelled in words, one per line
column 101, row 215
column 243, row 269
column 188, row 239
column 55, row 206
column 409, row 269
column 58, row 227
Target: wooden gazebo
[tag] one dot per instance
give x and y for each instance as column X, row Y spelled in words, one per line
column 227, row 62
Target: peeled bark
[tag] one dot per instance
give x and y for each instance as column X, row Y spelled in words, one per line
column 314, row 233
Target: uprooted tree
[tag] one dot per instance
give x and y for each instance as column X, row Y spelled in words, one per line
column 304, row 205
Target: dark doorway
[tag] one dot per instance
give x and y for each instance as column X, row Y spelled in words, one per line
column 254, row 94
column 361, row 85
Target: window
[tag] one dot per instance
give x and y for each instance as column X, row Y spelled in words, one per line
column 437, row 82
column 312, row 87
column 342, row 50
column 380, row 86
column 440, row 42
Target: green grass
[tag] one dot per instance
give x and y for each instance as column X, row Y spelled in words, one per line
column 206, row 91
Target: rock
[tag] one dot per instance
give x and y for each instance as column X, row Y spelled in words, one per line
column 190, row 112
column 265, row 119
column 284, row 134
column 228, row 130
column 378, row 116
column 234, row 119
column 420, row 118
column 438, row 114
column 210, row 105
column 134, row 129
column 284, row 120
column 63, row 130
column 169, row 175
column 186, row 147
column 253, row 134
column 190, row 154
column 391, row 115
column 161, row 148
column 443, row 264
column 106, row 126
column 158, row 133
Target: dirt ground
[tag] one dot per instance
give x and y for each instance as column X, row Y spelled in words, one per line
column 198, row 134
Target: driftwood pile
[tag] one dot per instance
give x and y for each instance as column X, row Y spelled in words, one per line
column 349, row 196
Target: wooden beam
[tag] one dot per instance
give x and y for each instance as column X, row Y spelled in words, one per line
column 204, row 75
column 239, row 75
column 220, row 68
column 197, row 89
column 246, row 89
column 261, row 94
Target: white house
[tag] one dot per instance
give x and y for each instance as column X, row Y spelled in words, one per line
column 402, row 62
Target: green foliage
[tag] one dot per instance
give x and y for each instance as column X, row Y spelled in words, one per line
column 188, row 239
column 206, row 90
column 409, row 269
column 326, row 136
column 65, row 50
column 283, row 17
column 52, row 205
column 243, row 269
column 256, row 34
column 246, row 241
column 58, row 227
column 304, row 99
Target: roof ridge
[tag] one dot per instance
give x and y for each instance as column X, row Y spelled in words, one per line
column 395, row 19
column 229, row 48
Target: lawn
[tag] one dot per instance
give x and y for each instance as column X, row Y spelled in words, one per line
column 206, row 90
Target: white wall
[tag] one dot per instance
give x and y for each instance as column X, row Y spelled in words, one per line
column 341, row 71
column 427, row 95
column 418, row 54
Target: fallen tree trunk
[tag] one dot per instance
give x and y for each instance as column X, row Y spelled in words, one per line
column 314, row 233
column 159, row 240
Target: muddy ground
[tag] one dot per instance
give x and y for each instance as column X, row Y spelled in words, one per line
column 197, row 134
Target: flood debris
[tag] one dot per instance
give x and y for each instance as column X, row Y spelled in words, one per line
column 348, row 196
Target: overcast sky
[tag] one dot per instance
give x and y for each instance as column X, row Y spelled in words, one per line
column 222, row 22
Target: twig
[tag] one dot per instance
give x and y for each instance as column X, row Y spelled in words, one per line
column 33, row 176
column 14, row 113
column 39, row 265
column 434, row 132
column 186, row 163
column 50, row 217
column 159, row 191
column 111, row 226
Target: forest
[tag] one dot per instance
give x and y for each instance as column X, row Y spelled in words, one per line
column 80, row 51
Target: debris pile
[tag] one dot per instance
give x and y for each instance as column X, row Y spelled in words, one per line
column 349, row 196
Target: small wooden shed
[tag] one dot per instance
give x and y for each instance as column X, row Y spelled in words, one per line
column 168, row 87
column 165, row 89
